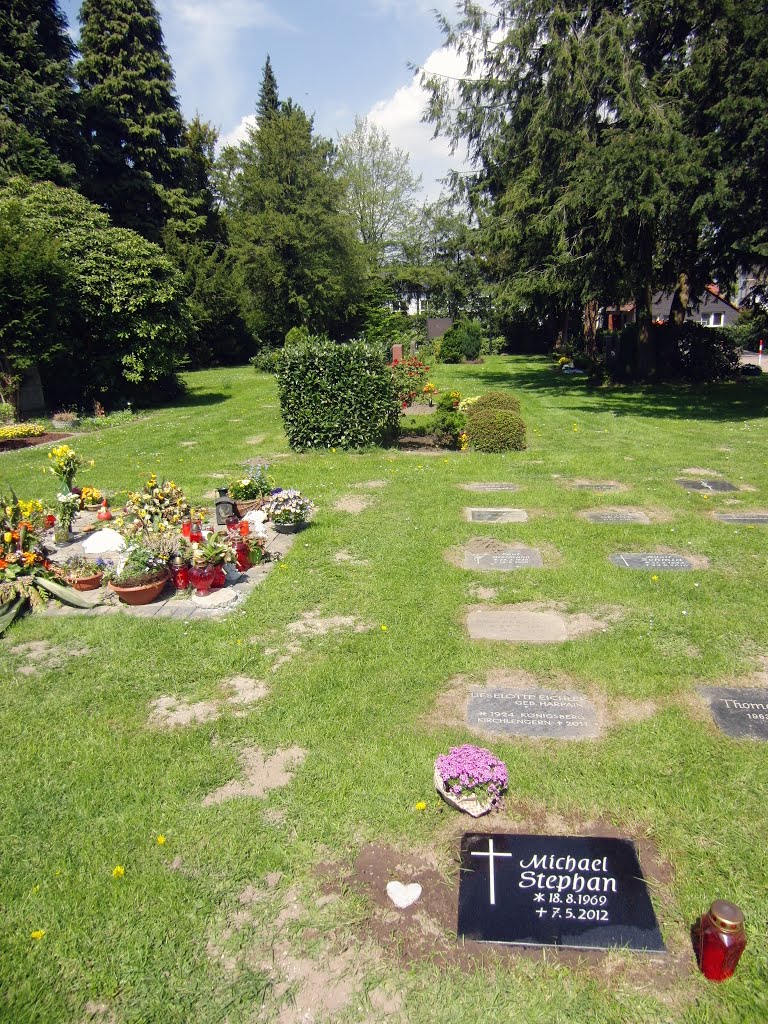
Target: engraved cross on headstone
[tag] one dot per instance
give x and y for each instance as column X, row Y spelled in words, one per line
column 491, row 873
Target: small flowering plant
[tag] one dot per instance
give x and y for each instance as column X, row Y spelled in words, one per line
column 156, row 508
column 143, row 564
column 429, row 391
column 288, row 508
column 258, row 484
column 409, row 377
column 472, row 771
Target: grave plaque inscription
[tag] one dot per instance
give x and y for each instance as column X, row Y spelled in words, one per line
column 497, row 515
column 580, row 891
column 618, row 516
column 491, row 487
column 595, row 485
column 706, row 485
column 652, row 561
column 548, row 714
column 745, row 518
column 504, row 561
column 740, row 713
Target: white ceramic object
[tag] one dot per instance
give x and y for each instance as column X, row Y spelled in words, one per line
column 101, row 541
column 403, row 896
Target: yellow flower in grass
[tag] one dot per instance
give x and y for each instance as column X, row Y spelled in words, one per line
column 383, row 628
column 38, row 934
column 161, row 840
column 421, row 806
column 654, row 579
column 118, row 871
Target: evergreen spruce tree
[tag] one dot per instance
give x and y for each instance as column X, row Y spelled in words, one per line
column 133, row 122
column 39, row 108
column 268, row 102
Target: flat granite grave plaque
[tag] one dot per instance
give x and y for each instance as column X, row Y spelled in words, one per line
column 745, row 518
column 516, row 626
column 706, row 485
column 664, row 563
column 504, row 561
column 491, row 487
column 618, row 516
column 497, row 515
column 583, row 892
column 740, row 713
column 595, row 485
column 548, row 714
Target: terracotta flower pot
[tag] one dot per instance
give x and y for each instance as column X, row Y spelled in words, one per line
column 86, row 582
column 142, row 594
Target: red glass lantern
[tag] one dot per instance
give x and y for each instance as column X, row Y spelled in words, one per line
column 243, row 556
column 180, row 574
column 196, row 532
column 232, row 524
column 186, row 527
column 721, row 940
column 201, row 578
column 219, row 576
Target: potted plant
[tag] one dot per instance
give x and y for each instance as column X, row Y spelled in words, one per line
column 82, row 574
column 142, row 576
column 249, row 492
column 470, row 778
column 64, row 420
column 208, row 562
column 287, row 510
column 91, row 498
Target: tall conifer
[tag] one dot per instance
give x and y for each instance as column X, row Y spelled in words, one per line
column 39, row 108
column 133, row 122
column 268, row 101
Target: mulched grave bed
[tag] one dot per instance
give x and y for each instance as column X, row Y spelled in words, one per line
column 31, row 442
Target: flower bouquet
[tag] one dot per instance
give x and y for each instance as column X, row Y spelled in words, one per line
column 288, row 508
column 65, row 463
column 471, row 779
column 27, row 578
column 156, row 508
column 249, row 492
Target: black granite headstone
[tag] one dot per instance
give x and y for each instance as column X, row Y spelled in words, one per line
column 548, row 714
column 740, row 713
column 579, row 891
column 653, row 561
column 745, row 518
column 504, row 561
column 706, row 485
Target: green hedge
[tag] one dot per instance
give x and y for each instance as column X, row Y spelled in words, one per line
column 494, row 400
column 339, row 396
column 496, row 430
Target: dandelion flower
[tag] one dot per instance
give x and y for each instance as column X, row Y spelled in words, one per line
column 383, row 628
column 38, row 934
column 118, row 871
column 161, row 840
column 654, row 579
column 421, row 806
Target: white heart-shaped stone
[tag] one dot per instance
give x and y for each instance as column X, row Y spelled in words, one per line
column 403, row 895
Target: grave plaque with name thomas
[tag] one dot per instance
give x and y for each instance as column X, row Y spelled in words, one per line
column 706, row 485
column 740, row 712
column 504, row 561
column 651, row 560
column 578, row 891
column 549, row 714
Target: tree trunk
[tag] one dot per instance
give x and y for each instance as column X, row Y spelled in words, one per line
column 646, row 349
column 680, row 301
column 590, row 327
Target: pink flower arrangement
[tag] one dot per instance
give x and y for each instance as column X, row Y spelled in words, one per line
column 471, row 770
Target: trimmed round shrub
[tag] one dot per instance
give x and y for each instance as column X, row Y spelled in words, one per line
column 451, row 347
column 495, row 400
column 496, row 430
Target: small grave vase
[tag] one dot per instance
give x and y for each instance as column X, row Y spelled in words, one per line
column 721, row 940
column 470, row 804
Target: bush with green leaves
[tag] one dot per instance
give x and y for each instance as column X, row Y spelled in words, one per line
column 451, row 347
column 7, row 413
column 494, row 400
column 339, row 396
column 496, row 430
column 265, row 361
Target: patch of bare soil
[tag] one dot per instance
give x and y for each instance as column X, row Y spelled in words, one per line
column 98, row 1013
column 172, row 713
column 420, row 446
column 40, row 655
column 245, row 690
column 346, row 556
column 353, row 504
column 697, row 471
column 483, row 593
column 14, row 443
column 187, row 444
column 372, row 485
column 426, row 930
column 261, row 774
column 259, row 439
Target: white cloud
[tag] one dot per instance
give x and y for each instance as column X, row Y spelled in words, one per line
column 239, row 133
column 401, row 117
column 224, row 17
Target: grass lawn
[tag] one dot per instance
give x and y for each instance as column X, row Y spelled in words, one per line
column 193, row 932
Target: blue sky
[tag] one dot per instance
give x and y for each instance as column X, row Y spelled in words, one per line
column 336, row 58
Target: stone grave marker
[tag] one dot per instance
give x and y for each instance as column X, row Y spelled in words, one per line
column 595, row 485
column 504, row 561
column 496, row 515
column 619, row 516
column 517, row 626
column 706, row 485
column 584, row 892
column 745, row 518
column 482, row 487
column 548, row 714
column 740, row 713
column 652, row 561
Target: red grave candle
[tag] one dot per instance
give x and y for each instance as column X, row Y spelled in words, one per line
column 186, row 527
column 721, row 940
column 196, row 533
column 243, row 556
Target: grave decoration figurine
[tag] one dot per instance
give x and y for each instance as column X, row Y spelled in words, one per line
column 470, row 778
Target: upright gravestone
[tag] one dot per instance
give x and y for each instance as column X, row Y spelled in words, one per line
column 544, row 714
column 397, row 353
column 741, row 713
column 583, row 892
